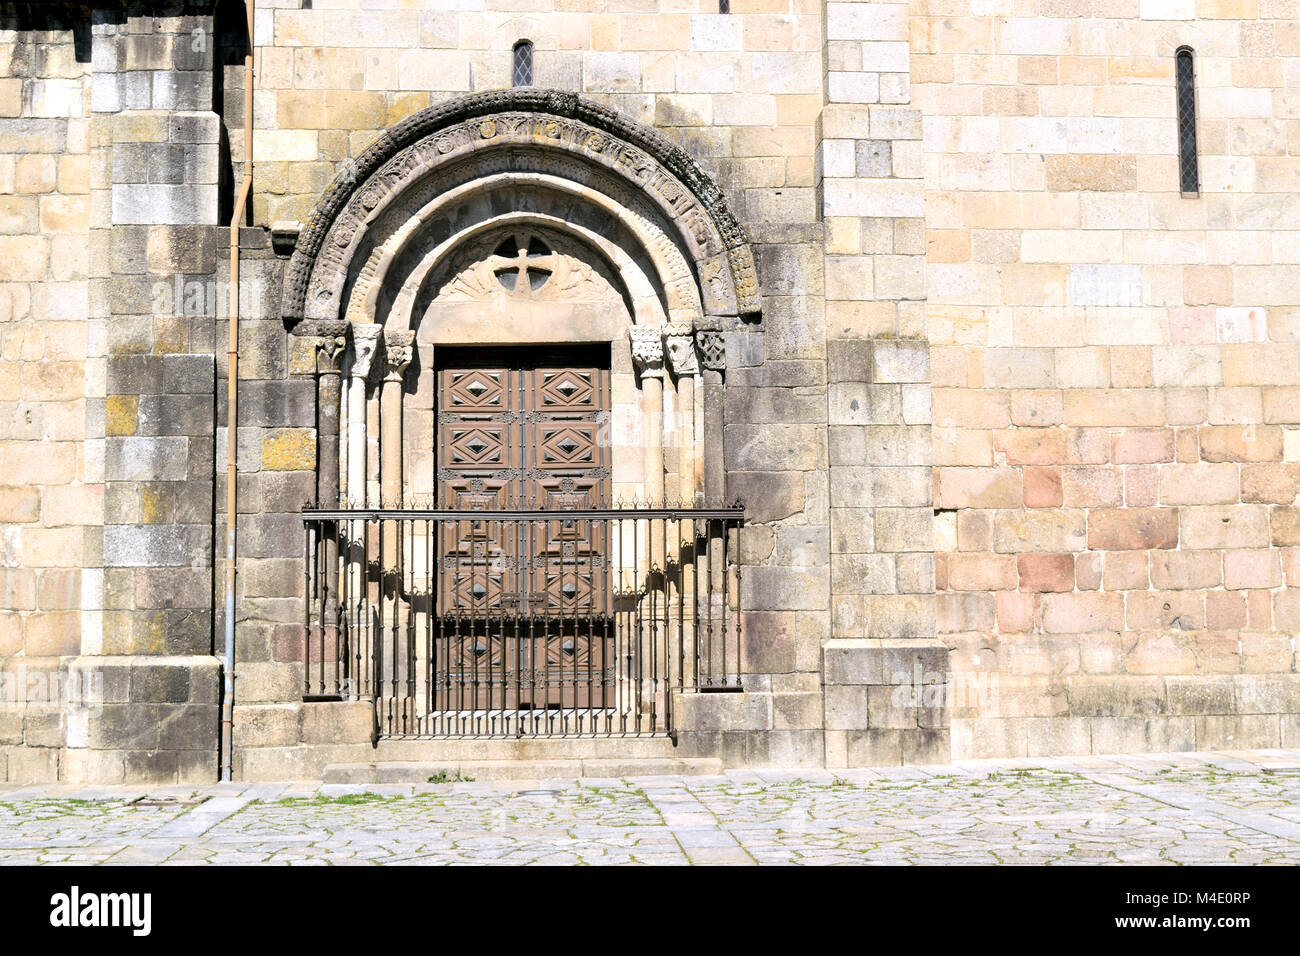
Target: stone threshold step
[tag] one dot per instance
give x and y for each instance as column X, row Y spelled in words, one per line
column 476, row 749
column 453, row 771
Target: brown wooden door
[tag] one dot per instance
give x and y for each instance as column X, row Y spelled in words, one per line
column 523, row 604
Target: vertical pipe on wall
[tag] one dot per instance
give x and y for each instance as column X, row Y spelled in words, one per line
column 232, row 372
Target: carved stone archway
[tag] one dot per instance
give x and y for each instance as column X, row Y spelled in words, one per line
column 454, row 172
column 559, row 126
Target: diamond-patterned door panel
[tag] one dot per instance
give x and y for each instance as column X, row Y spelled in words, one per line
column 567, row 389
column 565, row 445
column 520, row 666
column 483, row 388
column 527, row 434
column 477, row 447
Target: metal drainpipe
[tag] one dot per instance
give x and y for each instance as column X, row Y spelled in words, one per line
column 232, row 380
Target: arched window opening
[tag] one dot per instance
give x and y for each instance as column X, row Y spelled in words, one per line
column 522, row 71
column 1185, row 79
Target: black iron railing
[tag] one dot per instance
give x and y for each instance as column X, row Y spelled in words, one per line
column 522, row 622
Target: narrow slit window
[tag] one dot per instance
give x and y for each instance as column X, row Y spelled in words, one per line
column 1185, row 78
column 522, row 69
column 724, row 6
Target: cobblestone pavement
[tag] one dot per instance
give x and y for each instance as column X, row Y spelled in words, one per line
column 1235, row 807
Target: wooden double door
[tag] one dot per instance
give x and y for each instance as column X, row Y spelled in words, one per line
column 522, row 605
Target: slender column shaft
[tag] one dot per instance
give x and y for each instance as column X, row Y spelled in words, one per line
column 327, row 433
column 366, row 339
column 390, row 419
column 652, row 411
column 679, row 346
column 711, row 346
column 345, row 405
column 330, row 350
column 392, row 622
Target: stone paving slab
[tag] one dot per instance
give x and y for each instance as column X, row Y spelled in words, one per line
column 1241, row 807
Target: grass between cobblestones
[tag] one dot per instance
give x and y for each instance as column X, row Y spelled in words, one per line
column 1204, row 813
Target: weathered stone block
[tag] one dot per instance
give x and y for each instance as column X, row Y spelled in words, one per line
column 289, row 449
column 1120, row 697
column 785, row 589
column 773, row 447
column 874, row 748
column 722, row 712
column 900, row 360
column 1238, row 732
column 159, row 683
column 189, row 727
column 335, row 722
column 797, row 711
column 156, row 545
column 267, row 725
column 1200, row 695
column 124, row 727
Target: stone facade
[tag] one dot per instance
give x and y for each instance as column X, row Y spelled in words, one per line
column 1016, row 425
column 1115, row 372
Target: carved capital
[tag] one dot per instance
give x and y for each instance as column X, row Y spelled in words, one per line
column 679, row 343
column 399, row 350
column 647, row 350
column 330, row 340
column 713, row 349
column 366, row 340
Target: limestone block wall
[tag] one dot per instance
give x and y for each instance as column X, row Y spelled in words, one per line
column 275, row 735
column 882, row 650
column 741, row 92
column 51, row 372
column 156, row 293
column 1008, row 386
column 108, row 394
column 1115, row 370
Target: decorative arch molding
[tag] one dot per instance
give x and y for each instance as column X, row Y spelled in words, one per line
column 550, row 121
column 634, row 279
column 400, row 252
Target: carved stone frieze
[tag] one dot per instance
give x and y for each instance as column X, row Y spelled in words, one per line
column 548, row 121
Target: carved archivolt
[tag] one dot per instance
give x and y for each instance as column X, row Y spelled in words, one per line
column 525, row 130
column 398, row 246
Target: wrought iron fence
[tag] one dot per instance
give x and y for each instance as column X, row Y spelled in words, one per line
column 513, row 623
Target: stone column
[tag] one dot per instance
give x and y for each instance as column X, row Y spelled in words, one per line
column 366, row 340
column 331, row 346
column 713, row 358
column 679, row 343
column 345, row 380
column 398, row 354
column 648, row 356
